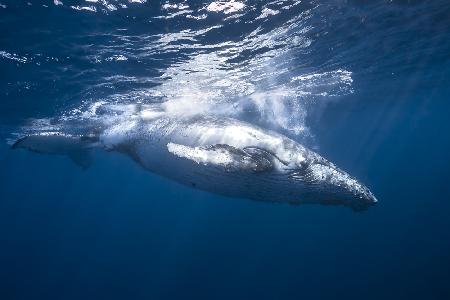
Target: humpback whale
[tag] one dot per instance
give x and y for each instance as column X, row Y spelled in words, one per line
column 215, row 154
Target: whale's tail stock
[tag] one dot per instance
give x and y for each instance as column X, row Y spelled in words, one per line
column 77, row 148
column 73, row 136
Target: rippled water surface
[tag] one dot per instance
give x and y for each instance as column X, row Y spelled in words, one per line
column 364, row 83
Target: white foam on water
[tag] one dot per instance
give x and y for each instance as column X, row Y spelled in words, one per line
column 266, row 12
column 227, row 7
column 87, row 8
column 13, row 56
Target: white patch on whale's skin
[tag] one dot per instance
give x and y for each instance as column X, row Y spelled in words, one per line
column 201, row 156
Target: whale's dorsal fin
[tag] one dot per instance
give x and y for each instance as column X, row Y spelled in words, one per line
column 77, row 148
column 225, row 156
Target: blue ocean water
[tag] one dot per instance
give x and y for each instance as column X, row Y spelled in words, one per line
column 366, row 85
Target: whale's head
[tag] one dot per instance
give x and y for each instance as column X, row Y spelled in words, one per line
column 325, row 183
column 291, row 174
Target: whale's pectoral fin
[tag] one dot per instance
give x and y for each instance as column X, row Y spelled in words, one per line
column 77, row 148
column 225, row 156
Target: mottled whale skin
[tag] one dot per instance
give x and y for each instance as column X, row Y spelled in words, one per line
column 216, row 154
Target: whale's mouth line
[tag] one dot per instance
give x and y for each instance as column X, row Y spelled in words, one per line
column 318, row 175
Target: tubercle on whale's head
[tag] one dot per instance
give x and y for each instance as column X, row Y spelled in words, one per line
column 327, row 184
column 344, row 187
column 362, row 199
